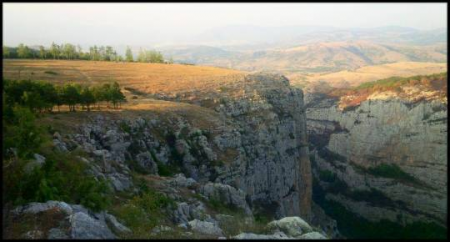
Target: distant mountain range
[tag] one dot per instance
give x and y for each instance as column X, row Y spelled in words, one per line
column 310, row 48
column 314, row 57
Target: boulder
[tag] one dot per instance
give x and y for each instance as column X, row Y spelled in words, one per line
column 145, row 160
column 226, row 194
column 35, row 208
column 56, row 233
column 204, row 227
column 251, row 236
column 181, row 181
column 84, row 226
column 292, row 226
column 115, row 225
column 312, row 235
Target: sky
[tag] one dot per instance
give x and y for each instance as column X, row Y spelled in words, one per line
column 150, row 23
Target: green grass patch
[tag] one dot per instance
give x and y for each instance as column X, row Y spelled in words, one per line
column 51, row 73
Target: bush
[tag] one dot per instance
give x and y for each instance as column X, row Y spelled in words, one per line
column 143, row 212
column 327, row 176
column 20, row 132
column 390, row 171
column 62, row 178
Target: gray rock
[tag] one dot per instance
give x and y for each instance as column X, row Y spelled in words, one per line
column 291, row 226
column 145, row 160
column 160, row 229
column 35, row 208
column 85, row 227
column 115, row 225
column 312, row 235
column 56, row 233
column 225, row 194
column 204, row 227
column 181, row 181
column 252, row 236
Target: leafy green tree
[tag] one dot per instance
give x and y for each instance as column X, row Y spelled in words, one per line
column 21, row 133
column 23, row 51
column 129, row 55
column 69, row 51
column 42, row 52
column 71, row 96
column 87, row 97
column 141, row 56
column 116, row 95
column 6, row 52
column 55, row 51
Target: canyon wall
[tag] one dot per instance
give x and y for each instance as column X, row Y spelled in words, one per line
column 385, row 159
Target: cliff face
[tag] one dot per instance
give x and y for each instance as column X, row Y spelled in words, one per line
column 384, row 159
column 251, row 136
column 272, row 164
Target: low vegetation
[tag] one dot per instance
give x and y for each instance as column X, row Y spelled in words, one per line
column 62, row 176
column 41, row 96
column 144, row 211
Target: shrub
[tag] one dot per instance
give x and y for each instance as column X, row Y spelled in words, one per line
column 390, row 171
column 62, row 177
column 143, row 212
column 327, row 176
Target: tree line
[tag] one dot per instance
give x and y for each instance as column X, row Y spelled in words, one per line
column 40, row 96
column 72, row 52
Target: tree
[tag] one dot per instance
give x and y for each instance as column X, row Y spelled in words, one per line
column 69, row 51
column 54, row 50
column 33, row 101
column 42, row 52
column 71, row 96
column 129, row 55
column 6, row 52
column 116, row 95
column 23, row 51
column 87, row 97
column 21, row 132
column 141, row 56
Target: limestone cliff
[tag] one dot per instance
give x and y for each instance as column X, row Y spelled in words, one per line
column 250, row 134
column 383, row 159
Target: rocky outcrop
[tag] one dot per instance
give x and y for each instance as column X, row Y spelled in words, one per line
column 389, row 157
column 247, row 152
column 286, row 228
column 65, row 221
column 258, row 146
column 272, row 163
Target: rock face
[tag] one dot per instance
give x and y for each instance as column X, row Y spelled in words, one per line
column 351, row 147
column 69, row 222
column 272, row 165
column 258, row 146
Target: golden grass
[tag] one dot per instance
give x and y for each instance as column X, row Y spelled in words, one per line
column 145, row 77
column 344, row 79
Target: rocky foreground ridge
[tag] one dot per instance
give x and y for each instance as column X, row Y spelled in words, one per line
column 243, row 147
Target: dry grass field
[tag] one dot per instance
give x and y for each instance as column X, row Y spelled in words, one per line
column 144, row 77
column 344, row 79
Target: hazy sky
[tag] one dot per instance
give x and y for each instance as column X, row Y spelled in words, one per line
column 141, row 23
